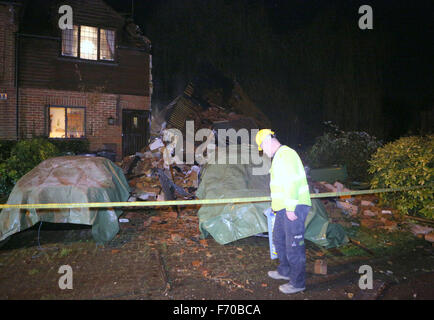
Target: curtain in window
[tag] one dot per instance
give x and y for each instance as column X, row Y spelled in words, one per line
column 75, row 121
column 57, row 123
column 69, row 42
column 107, row 45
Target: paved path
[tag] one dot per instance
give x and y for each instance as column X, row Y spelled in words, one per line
column 163, row 258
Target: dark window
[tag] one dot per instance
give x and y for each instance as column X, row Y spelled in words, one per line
column 89, row 43
column 66, row 122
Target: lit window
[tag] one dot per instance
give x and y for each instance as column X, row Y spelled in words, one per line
column 66, row 122
column 82, row 42
column 89, row 43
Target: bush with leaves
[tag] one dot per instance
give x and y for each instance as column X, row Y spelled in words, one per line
column 24, row 156
column 5, row 149
column 336, row 147
column 75, row 146
column 406, row 162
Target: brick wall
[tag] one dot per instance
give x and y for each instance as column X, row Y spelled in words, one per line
column 8, row 27
column 99, row 107
column 33, row 101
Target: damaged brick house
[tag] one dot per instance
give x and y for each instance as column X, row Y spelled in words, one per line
column 91, row 82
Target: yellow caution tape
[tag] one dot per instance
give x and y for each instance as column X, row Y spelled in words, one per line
column 192, row 202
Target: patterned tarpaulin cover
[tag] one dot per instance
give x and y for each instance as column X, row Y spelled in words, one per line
column 71, row 179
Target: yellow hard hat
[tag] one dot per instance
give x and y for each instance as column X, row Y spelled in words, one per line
column 261, row 135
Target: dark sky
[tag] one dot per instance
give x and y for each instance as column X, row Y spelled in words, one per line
column 404, row 27
column 409, row 23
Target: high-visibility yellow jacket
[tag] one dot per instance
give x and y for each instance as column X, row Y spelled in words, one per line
column 288, row 183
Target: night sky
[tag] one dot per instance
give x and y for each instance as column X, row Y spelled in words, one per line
column 301, row 59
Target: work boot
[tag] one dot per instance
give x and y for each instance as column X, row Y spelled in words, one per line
column 276, row 275
column 289, row 288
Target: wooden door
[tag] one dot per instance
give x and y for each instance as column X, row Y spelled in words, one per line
column 135, row 131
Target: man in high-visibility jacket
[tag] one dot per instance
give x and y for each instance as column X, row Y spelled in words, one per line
column 290, row 201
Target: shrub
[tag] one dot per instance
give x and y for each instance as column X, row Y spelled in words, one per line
column 24, row 156
column 406, row 162
column 18, row 158
column 8, row 178
column 74, row 146
column 336, row 147
column 6, row 148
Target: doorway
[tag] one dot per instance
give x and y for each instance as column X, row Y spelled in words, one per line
column 135, row 131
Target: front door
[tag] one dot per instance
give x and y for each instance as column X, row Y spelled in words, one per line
column 134, row 131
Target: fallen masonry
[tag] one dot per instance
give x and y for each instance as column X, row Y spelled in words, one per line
column 152, row 176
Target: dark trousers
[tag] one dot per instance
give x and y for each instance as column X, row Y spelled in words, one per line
column 288, row 239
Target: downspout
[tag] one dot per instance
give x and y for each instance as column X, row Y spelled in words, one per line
column 118, row 110
column 17, row 88
column 151, row 90
column 15, row 15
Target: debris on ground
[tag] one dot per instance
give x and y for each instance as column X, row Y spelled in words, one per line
column 320, row 267
column 351, row 209
column 155, row 173
column 230, row 283
column 430, row 237
column 152, row 178
column 378, row 287
column 417, row 229
column 365, row 211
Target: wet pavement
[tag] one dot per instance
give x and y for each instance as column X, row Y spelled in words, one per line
column 157, row 255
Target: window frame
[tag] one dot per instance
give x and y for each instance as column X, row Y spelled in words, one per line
column 98, row 59
column 48, row 122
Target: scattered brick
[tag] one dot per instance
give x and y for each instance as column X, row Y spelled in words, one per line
column 367, row 203
column 370, row 223
column 430, row 237
column 320, row 267
column 156, row 219
column 175, row 237
column 173, row 215
column 196, row 263
column 369, row 213
column 204, row 242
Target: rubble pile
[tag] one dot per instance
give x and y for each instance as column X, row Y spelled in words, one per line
column 364, row 211
column 360, row 210
column 153, row 175
column 211, row 101
column 151, row 179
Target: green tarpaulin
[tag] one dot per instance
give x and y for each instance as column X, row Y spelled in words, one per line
column 330, row 175
column 231, row 222
column 320, row 230
column 70, row 179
